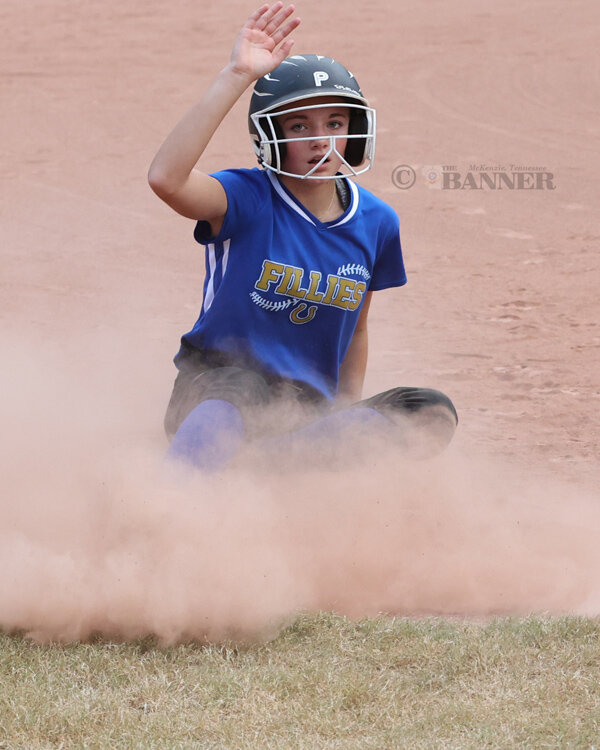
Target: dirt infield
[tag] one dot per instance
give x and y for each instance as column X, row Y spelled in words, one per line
column 502, row 311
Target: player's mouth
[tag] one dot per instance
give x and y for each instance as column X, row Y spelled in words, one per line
column 318, row 159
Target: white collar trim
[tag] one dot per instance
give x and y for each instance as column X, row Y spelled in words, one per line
column 292, row 204
column 354, row 201
column 282, row 194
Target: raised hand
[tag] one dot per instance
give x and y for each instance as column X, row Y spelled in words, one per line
column 261, row 45
column 259, row 48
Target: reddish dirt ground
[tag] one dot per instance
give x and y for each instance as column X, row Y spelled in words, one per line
column 502, row 309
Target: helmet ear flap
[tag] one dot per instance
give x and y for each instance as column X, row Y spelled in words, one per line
column 355, row 148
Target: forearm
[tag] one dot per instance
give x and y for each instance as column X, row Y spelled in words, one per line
column 256, row 52
column 186, row 143
column 354, row 367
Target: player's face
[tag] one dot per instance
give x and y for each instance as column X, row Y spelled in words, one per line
column 320, row 125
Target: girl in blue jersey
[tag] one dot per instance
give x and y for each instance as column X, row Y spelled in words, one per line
column 294, row 251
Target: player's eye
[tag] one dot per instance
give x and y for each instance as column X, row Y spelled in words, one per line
column 335, row 124
column 297, row 127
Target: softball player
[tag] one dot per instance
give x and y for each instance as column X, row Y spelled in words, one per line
column 294, row 251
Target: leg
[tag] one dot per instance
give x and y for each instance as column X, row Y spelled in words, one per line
column 330, row 442
column 425, row 419
column 208, row 415
column 420, row 421
column 209, row 436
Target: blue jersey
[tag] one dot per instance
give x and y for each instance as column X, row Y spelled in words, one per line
column 284, row 290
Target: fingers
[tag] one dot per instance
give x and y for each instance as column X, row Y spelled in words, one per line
column 251, row 22
column 257, row 47
column 279, row 17
column 285, row 31
column 267, row 15
column 269, row 20
column 283, row 51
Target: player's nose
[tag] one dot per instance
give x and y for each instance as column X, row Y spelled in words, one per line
column 321, row 138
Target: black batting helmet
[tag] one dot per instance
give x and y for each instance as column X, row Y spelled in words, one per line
column 309, row 77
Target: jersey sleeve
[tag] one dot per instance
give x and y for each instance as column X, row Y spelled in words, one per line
column 389, row 265
column 246, row 192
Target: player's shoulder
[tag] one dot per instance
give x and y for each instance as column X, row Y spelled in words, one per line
column 247, row 193
column 254, row 180
column 372, row 204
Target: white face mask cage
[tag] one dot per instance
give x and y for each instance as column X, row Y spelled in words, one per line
column 268, row 148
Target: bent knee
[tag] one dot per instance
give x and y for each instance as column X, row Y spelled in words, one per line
column 424, row 418
column 410, row 400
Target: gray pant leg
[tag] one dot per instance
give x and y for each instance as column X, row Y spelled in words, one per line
column 245, row 389
column 425, row 418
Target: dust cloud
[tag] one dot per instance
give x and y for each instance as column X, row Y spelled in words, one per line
column 101, row 535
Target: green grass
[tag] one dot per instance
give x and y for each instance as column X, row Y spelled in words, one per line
column 325, row 682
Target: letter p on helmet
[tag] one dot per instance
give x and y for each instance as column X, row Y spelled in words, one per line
column 320, row 76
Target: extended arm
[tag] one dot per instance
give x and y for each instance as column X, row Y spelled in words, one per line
column 172, row 174
column 354, row 366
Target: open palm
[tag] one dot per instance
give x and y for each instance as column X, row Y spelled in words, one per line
column 256, row 50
